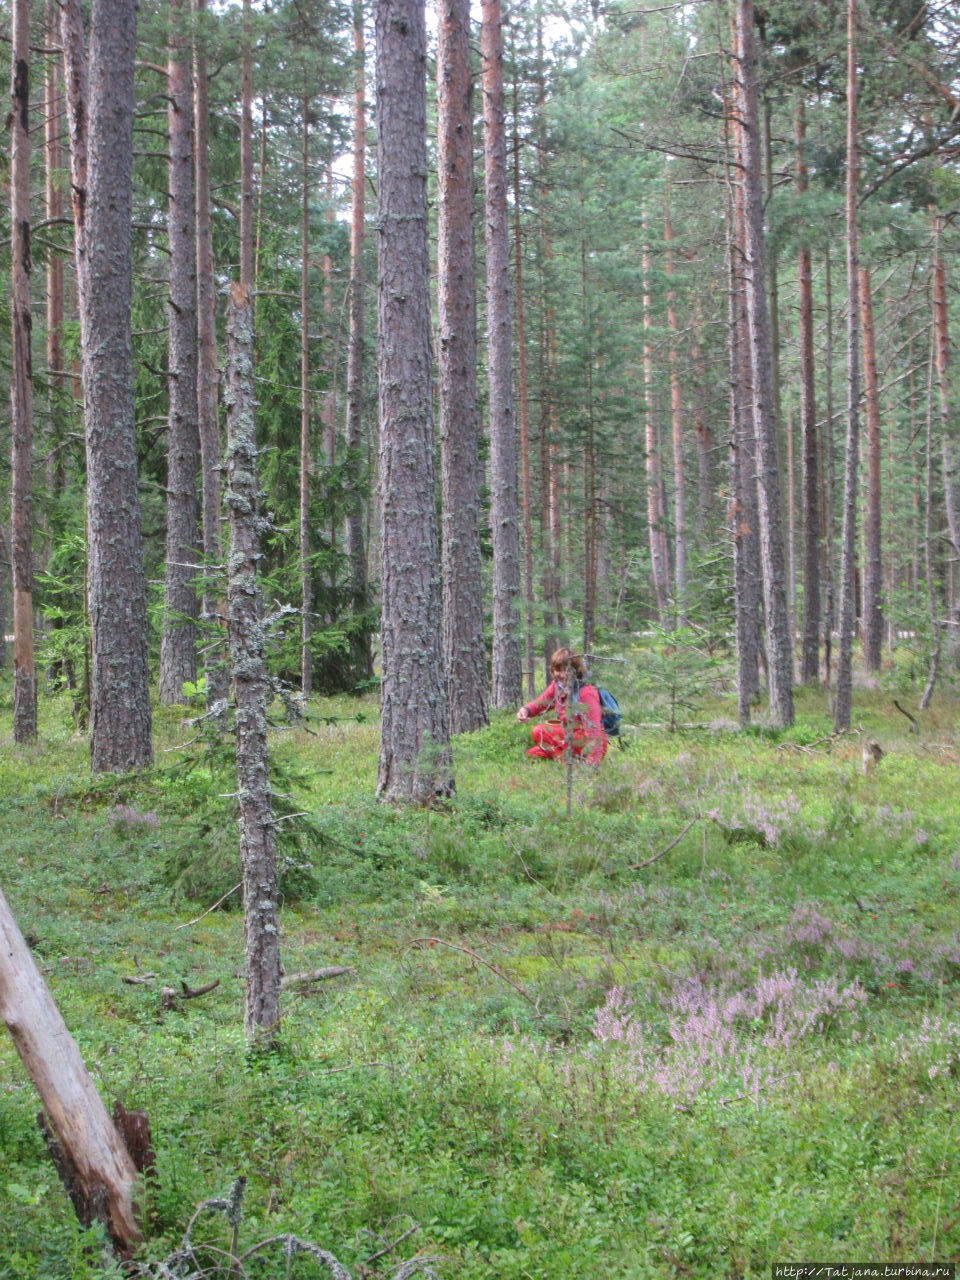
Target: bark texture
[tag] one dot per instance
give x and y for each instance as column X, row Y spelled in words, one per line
column 100, row 115
column 506, row 682
column 21, row 385
column 810, row 502
column 844, row 689
column 215, row 665
column 873, row 564
column 464, row 649
column 245, row 630
column 178, row 642
column 779, row 647
column 100, row 1166
column 414, row 738
column 355, row 542
column 306, row 592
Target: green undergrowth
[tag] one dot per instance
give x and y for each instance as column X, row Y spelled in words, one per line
column 547, row 1059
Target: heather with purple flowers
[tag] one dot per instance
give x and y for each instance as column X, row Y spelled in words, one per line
column 720, row 1035
column 129, row 818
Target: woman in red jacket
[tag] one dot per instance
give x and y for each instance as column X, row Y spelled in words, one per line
column 568, row 686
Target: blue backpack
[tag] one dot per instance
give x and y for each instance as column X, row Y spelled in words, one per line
column 611, row 715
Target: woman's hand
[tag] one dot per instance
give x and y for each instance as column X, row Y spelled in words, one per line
column 523, row 714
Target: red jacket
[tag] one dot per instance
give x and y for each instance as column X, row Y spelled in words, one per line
column 591, row 724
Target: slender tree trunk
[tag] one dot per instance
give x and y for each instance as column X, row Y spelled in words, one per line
column 21, row 386
column 948, row 437
column 245, row 630
column 655, row 511
column 102, row 1173
column 779, row 651
column 743, row 445
column 507, row 687
column 54, row 209
column 873, row 575
column 355, row 542
column 215, row 668
column 676, row 420
column 246, row 152
column 828, row 506
column 935, row 627
column 415, row 760
column 101, row 186
column 178, row 644
column 703, row 430
column 844, row 689
column 464, row 649
column 811, row 477
column 524, row 399
column 306, row 593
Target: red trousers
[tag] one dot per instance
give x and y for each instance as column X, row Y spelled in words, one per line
column 550, row 740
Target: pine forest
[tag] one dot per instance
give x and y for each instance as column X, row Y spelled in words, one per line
column 385, row 375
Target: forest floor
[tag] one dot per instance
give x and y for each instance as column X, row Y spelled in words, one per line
column 547, row 1060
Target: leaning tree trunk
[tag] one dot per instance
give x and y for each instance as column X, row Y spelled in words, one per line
column 245, row 630
column 100, row 116
column 178, row 642
column 214, row 665
column 844, row 688
column 21, row 386
column 414, row 739
column 873, row 565
column 507, row 682
column 102, row 1177
column 464, row 648
column 948, row 442
column 779, row 649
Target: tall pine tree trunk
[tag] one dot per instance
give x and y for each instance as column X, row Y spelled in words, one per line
column 655, row 510
column 779, row 651
column 506, row 685
column 676, row 422
column 246, row 151
column 355, row 541
column 178, row 643
column 873, row 565
column 950, row 452
column 100, row 113
column 464, row 649
column 844, row 689
column 21, row 386
column 251, row 683
column 810, row 484
column 208, row 426
column 306, row 593
column 414, row 760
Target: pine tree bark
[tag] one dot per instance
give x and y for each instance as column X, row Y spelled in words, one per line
column 524, row 400
column 810, row 482
column 464, row 649
column 178, row 642
column 354, row 438
column 844, row 688
column 950, row 454
column 779, row 649
column 215, row 666
column 506, row 684
column 103, row 1174
column 246, row 151
column 414, row 760
column 251, row 683
column 306, row 592
column 654, row 467
column 53, row 208
column 873, row 564
column 21, row 386
column 676, row 424
column 100, row 114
